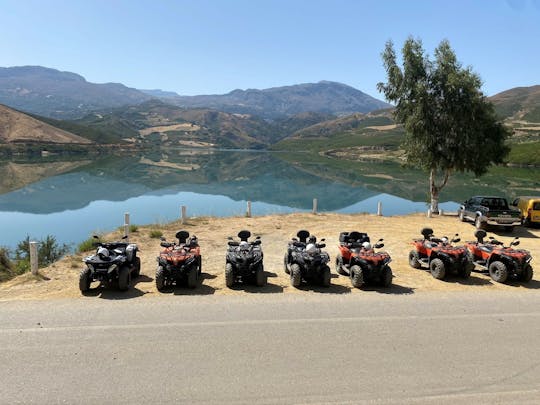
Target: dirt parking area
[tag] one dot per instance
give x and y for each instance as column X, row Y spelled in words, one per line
column 60, row 280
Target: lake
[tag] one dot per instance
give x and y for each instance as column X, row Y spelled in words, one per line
column 74, row 198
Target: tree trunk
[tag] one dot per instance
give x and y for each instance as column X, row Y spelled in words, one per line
column 435, row 189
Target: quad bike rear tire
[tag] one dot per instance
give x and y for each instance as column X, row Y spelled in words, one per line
column 357, row 276
column 192, row 278
column 339, row 266
column 285, row 263
column 414, row 259
column 160, row 278
column 296, row 275
column 326, row 277
column 229, row 275
column 260, row 277
column 199, row 265
column 437, row 269
column 85, row 278
column 124, row 278
column 498, row 271
column 526, row 274
column 386, row 276
column 136, row 268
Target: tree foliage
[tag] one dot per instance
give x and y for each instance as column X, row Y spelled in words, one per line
column 449, row 123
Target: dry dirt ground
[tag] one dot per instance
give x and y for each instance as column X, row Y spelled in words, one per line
column 60, row 280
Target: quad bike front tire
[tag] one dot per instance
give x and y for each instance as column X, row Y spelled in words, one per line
column 526, row 274
column 414, row 259
column 357, row 276
column 498, row 272
column 437, row 269
column 192, row 278
column 124, row 278
column 296, row 275
column 199, row 265
column 326, row 277
column 85, row 278
column 286, row 263
column 260, row 277
column 229, row 275
column 339, row 266
column 386, row 276
column 160, row 278
column 465, row 270
column 136, row 268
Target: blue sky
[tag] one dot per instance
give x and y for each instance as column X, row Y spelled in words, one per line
column 213, row 47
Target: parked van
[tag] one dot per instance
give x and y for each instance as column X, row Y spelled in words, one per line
column 529, row 208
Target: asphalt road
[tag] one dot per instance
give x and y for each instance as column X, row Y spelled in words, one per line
column 418, row 348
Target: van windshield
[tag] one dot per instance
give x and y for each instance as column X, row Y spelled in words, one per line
column 536, row 206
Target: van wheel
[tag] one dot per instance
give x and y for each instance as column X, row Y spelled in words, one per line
column 478, row 223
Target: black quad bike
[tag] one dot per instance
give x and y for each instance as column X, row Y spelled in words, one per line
column 179, row 262
column 244, row 261
column 114, row 263
column 305, row 261
column 358, row 259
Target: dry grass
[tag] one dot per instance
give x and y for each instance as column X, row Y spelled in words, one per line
column 61, row 279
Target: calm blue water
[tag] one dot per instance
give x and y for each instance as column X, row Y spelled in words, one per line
column 93, row 195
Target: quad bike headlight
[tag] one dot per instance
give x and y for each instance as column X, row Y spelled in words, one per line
column 112, row 268
column 528, row 259
column 90, row 266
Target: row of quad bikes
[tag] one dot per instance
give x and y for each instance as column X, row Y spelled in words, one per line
column 116, row 263
column 442, row 257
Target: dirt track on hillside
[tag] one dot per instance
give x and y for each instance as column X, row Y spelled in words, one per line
column 60, row 280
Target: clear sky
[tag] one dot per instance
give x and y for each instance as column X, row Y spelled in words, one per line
column 215, row 46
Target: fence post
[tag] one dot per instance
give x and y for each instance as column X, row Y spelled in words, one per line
column 379, row 208
column 248, row 209
column 314, row 205
column 429, row 213
column 126, row 225
column 33, row 258
column 183, row 216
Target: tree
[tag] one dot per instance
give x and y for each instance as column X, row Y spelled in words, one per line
column 449, row 124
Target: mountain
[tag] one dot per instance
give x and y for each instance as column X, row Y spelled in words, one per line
column 57, row 94
column 322, row 97
column 521, row 103
column 158, row 93
column 17, row 127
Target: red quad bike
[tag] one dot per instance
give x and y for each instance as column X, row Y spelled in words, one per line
column 440, row 256
column 501, row 262
column 179, row 262
column 358, row 259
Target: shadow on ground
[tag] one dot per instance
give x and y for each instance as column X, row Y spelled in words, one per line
column 393, row 289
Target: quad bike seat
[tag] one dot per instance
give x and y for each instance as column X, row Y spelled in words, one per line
column 182, row 236
column 302, row 236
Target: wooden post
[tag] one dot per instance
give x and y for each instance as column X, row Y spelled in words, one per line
column 314, row 205
column 183, row 216
column 429, row 213
column 379, row 209
column 248, row 209
column 33, row 258
column 441, row 213
column 126, row 225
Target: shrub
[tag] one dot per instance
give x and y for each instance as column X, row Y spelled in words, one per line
column 156, row 234
column 133, row 228
column 6, row 267
column 49, row 251
column 88, row 244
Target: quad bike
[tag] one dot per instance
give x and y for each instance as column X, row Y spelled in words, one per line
column 440, row 256
column 179, row 262
column 358, row 259
column 501, row 262
column 244, row 261
column 114, row 263
column 305, row 261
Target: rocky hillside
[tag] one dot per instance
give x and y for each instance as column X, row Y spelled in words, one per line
column 323, row 97
column 520, row 103
column 17, row 127
column 56, row 94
